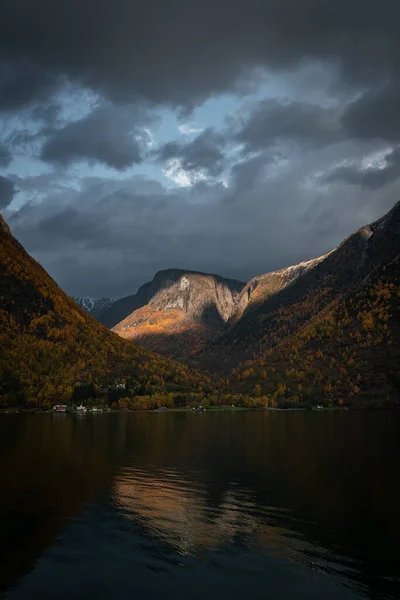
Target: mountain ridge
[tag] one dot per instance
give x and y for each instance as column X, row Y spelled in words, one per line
column 260, row 313
column 280, row 314
column 326, row 331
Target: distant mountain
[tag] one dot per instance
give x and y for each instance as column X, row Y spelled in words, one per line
column 176, row 313
column 94, row 306
column 49, row 344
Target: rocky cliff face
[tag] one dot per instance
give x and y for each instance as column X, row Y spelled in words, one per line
column 262, row 287
column 178, row 308
column 206, row 298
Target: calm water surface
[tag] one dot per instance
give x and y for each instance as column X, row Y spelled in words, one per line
column 220, row 505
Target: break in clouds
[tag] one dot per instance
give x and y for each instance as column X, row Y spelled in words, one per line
column 229, row 136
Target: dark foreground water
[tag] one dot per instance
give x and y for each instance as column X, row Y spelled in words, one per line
column 251, row 505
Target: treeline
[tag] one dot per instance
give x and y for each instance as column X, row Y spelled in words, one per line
column 128, row 398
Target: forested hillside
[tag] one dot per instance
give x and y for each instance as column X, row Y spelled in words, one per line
column 49, row 345
column 283, row 311
column 325, row 333
column 349, row 355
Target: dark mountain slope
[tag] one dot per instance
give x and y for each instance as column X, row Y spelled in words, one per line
column 48, row 344
column 347, row 355
column 283, row 311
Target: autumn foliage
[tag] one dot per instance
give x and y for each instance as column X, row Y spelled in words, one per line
column 49, row 345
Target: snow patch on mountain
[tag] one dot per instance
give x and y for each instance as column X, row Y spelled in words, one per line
column 94, row 306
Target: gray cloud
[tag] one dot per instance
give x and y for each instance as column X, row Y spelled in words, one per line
column 259, row 128
column 173, row 53
column 99, row 236
column 205, row 152
column 372, row 177
column 23, row 80
column 5, row 156
column 106, row 135
column 271, row 121
column 246, row 175
column 375, row 114
column 109, row 237
column 7, row 191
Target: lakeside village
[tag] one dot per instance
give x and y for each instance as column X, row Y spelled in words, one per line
column 110, row 398
column 117, row 397
column 114, row 398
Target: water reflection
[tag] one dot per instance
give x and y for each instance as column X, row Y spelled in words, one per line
column 176, row 510
column 109, row 495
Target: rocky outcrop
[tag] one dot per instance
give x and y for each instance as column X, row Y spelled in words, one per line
column 262, row 287
column 189, row 304
column 200, row 295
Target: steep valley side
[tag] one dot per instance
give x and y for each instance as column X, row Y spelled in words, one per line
column 49, row 345
column 270, row 312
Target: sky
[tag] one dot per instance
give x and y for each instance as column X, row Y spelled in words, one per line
column 227, row 136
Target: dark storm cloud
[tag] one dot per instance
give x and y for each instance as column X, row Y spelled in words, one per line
column 106, row 135
column 72, row 225
column 372, row 177
column 270, row 122
column 179, row 52
column 109, row 237
column 205, row 152
column 258, row 129
column 375, row 114
column 246, row 174
column 5, row 156
column 7, row 191
column 23, row 81
column 106, row 237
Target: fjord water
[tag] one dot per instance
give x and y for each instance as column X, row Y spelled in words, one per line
column 218, row 505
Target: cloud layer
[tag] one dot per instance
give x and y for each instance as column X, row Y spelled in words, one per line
column 179, row 53
column 231, row 136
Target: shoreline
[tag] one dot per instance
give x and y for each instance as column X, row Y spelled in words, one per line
column 216, row 409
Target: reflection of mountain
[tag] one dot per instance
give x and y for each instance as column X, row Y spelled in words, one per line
column 159, row 490
column 178, row 511
column 307, row 486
